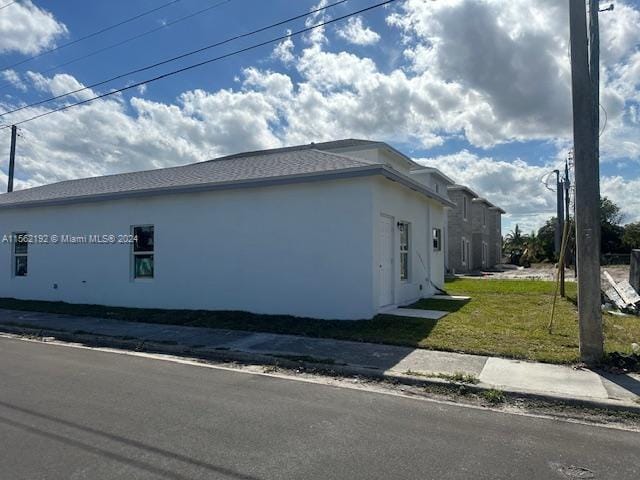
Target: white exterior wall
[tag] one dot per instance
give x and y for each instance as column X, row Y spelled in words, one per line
column 423, row 214
column 302, row 249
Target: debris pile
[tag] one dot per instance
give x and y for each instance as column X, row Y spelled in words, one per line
column 622, row 295
column 624, row 363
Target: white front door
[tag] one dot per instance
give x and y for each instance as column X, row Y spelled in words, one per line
column 386, row 261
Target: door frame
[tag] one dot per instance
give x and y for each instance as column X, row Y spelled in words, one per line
column 392, row 262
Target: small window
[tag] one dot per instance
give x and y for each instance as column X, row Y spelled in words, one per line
column 437, row 188
column 437, row 239
column 143, row 251
column 20, row 251
column 484, row 253
column 484, row 217
column 464, row 207
column 464, row 251
column 404, row 250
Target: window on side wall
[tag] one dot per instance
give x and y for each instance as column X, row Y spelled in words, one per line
column 437, row 239
column 464, row 208
column 143, row 251
column 484, row 217
column 404, row 250
column 20, row 252
column 464, row 251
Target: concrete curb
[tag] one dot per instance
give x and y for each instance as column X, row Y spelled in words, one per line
column 223, row 354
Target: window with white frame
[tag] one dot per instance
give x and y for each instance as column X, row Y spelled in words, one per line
column 404, row 250
column 484, row 217
column 143, row 251
column 437, row 239
column 20, row 252
column 437, row 187
column 464, row 207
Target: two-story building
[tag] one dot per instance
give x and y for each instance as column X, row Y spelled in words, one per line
column 474, row 231
column 495, row 235
column 460, row 229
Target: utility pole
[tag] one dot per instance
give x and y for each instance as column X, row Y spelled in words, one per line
column 594, row 73
column 12, row 158
column 566, row 185
column 587, row 178
column 558, row 231
column 560, row 228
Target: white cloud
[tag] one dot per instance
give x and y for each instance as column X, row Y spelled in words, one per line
column 60, row 84
column 317, row 35
column 515, row 186
column 283, row 51
column 18, row 184
column 355, row 32
column 512, row 67
column 28, row 29
column 623, row 192
column 14, row 78
column 511, row 60
column 103, row 137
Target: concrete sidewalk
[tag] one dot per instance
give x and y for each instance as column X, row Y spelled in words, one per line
column 400, row 363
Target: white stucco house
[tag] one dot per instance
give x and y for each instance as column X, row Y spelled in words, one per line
column 335, row 230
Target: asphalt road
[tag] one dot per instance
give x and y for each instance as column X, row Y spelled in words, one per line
column 68, row 413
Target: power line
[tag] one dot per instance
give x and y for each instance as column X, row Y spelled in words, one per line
column 91, row 35
column 130, row 39
column 606, row 117
column 178, row 57
column 8, row 4
column 205, row 62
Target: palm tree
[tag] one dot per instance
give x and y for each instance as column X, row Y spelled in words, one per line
column 514, row 245
column 514, row 239
column 533, row 249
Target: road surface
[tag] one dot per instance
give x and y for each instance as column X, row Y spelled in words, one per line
column 69, row 413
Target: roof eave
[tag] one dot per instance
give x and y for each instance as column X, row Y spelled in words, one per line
column 250, row 183
column 435, row 171
column 352, row 172
column 483, row 200
column 464, row 188
column 392, row 174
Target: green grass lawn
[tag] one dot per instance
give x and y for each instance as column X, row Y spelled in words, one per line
column 504, row 317
column 509, row 318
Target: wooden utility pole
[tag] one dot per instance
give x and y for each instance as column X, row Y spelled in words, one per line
column 12, row 158
column 587, row 181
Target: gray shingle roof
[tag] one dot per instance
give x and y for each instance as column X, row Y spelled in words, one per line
column 227, row 170
column 333, row 145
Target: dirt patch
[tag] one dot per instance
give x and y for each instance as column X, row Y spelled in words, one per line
column 547, row 271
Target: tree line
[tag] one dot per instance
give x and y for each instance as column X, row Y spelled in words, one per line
column 616, row 238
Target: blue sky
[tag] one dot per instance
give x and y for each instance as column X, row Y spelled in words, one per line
column 479, row 89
